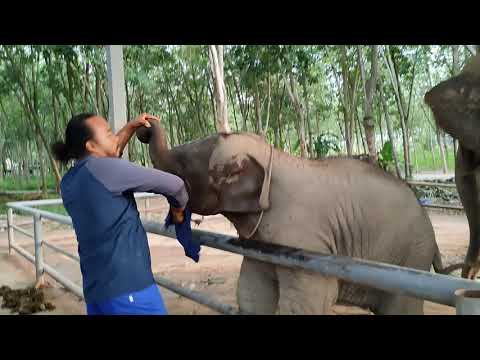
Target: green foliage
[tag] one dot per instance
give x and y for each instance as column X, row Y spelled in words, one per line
column 175, row 83
column 9, row 183
column 385, row 156
column 326, row 143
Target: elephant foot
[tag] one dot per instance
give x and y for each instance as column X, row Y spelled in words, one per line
column 470, row 270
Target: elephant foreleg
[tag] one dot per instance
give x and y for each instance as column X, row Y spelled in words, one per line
column 467, row 177
column 305, row 293
column 257, row 291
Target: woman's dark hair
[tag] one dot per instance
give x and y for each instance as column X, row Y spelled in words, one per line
column 76, row 135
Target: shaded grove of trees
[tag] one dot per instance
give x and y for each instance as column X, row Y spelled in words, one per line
column 311, row 101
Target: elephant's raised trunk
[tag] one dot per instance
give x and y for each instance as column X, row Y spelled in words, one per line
column 155, row 137
column 155, row 133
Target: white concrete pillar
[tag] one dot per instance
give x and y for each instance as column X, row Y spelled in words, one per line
column 117, row 115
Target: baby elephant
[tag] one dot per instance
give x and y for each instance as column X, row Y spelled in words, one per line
column 337, row 206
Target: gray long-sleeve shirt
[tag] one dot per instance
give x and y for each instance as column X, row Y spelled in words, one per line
column 119, row 175
column 112, row 243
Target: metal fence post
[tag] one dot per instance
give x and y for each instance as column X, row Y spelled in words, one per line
column 467, row 302
column 10, row 229
column 37, row 233
column 147, row 207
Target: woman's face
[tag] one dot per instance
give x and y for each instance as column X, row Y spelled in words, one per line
column 104, row 142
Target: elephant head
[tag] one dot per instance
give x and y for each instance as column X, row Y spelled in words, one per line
column 455, row 104
column 223, row 173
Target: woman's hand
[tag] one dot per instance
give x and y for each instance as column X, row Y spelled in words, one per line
column 126, row 133
column 142, row 120
column 178, row 215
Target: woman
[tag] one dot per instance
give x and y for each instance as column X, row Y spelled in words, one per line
column 97, row 193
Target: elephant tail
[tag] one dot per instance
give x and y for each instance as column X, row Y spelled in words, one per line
column 438, row 265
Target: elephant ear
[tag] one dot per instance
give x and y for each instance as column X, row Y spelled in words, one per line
column 241, row 181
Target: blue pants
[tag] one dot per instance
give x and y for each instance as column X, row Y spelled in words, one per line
column 144, row 302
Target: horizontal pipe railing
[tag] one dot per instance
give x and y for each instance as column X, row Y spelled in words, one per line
column 62, row 219
column 433, row 287
column 59, row 201
column 77, row 290
column 23, row 231
column 447, row 207
column 390, row 278
column 23, row 252
column 433, row 184
column 437, row 206
column 196, row 296
column 57, row 249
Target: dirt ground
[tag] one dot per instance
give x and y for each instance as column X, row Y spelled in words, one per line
column 216, row 274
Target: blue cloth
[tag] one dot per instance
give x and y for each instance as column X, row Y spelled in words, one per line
column 424, row 201
column 183, row 231
column 144, row 302
column 112, row 243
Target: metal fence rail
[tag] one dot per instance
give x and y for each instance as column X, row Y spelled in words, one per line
column 28, row 207
column 434, row 184
column 393, row 279
column 196, row 296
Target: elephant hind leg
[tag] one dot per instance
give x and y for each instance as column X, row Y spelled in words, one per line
column 421, row 259
column 257, row 291
column 305, row 293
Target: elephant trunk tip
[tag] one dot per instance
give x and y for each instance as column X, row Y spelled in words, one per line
column 144, row 134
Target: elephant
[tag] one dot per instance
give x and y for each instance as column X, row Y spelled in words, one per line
column 455, row 104
column 335, row 205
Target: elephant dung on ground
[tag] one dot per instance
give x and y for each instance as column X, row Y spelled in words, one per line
column 455, row 104
column 332, row 206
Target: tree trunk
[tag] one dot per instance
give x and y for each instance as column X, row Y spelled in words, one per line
column 41, row 164
column 347, row 109
column 55, row 116
column 307, row 118
column 289, row 141
column 430, row 142
column 358, row 138
column 415, row 163
column 396, row 86
column 441, row 145
column 232, row 101
column 70, row 87
column 438, row 131
column 280, row 137
column 455, row 71
column 212, row 103
column 380, row 128
column 369, row 87
column 30, row 107
column 362, row 135
column 216, row 64
column 269, row 100
column 241, row 104
column 105, row 100
column 349, row 86
column 300, row 116
column 258, row 116
column 99, row 104
column 85, row 86
column 389, row 131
